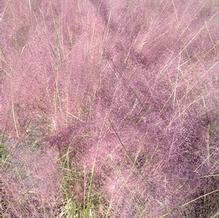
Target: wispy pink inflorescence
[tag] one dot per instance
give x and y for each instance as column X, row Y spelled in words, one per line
column 128, row 88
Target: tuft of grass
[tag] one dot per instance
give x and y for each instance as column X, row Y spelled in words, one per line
column 79, row 197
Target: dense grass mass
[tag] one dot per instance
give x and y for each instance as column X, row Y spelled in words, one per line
column 109, row 108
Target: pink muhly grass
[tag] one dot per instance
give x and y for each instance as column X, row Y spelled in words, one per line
column 128, row 88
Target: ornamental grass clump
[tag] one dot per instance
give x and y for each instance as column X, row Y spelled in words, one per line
column 127, row 91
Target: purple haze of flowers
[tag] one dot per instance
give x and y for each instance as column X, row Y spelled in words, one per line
column 130, row 88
